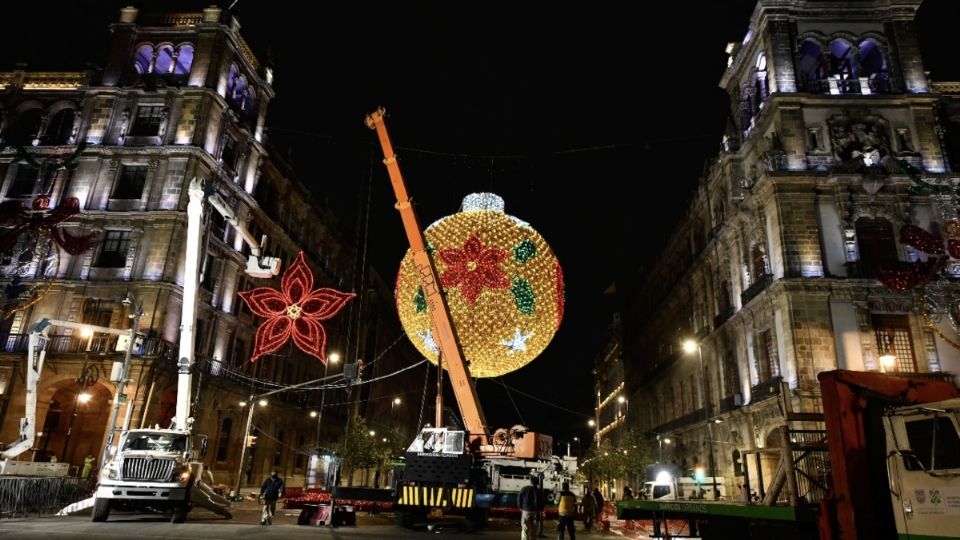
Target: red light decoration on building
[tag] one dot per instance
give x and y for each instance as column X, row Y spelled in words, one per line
column 294, row 311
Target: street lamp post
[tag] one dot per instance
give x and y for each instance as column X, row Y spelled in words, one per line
column 689, row 346
column 332, row 358
column 120, row 397
column 263, row 403
column 661, row 441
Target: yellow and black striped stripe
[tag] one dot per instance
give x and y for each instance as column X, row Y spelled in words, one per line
column 436, row 496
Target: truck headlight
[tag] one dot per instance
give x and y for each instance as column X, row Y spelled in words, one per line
column 184, row 476
column 110, row 472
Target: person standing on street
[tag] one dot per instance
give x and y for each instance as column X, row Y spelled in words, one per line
column 567, row 512
column 270, row 491
column 589, row 505
column 529, row 503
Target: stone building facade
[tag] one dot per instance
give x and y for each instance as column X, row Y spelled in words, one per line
column 180, row 96
column 772, row 273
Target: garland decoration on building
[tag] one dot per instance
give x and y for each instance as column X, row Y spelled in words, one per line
column 39, row 258
column 68, row 164
column 16, row 219
column 936, row 294
column 30, row 243
column 503, row 285
column 295, row 311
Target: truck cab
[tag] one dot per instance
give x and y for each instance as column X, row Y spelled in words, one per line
column 150, row 469
column 923, row 463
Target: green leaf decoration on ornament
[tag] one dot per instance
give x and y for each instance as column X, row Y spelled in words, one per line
column 420, row 301
column 523, row 295
column 525, row 251
column 431, row 248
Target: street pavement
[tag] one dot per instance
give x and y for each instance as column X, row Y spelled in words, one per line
column 246, row 524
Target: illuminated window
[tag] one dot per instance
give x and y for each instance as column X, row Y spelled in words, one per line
column 893, row 337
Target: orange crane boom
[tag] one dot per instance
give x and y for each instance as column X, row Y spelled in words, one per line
column 444, row 332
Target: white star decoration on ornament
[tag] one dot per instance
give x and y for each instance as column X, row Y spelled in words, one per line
column 517, row 343
column 428, row 342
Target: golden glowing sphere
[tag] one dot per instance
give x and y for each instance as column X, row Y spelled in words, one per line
column 502, row 281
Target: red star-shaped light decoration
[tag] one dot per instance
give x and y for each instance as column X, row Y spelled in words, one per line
column 473, row 268
column 294, row 311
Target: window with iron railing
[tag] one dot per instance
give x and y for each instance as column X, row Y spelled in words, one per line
column 893, row 338
column 113, row 253
column 130, row 183
column 147, row 122
column 767, row 365
column 24, row 182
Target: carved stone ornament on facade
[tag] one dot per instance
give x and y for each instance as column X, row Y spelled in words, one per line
column 861, row 145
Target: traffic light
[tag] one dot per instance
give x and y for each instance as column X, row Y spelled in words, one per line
column 251, row 440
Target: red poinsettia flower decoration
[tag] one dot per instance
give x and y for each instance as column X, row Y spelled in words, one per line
column 294, row 311
column 473, row 268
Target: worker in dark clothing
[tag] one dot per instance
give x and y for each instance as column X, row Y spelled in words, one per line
column 529, row 503
column 270, row 491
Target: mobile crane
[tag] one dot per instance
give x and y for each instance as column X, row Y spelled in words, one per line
column 445, row 468
column 886, row 465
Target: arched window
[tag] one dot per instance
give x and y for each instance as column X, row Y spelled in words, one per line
column 141, row 60
column 873, row 66
column 761, row 83
column 810, row 67
column 876, row 243
column 223, row 441
column 232, row 80
column 60, row 128
column 239, row 88
column 25, row 128
column 249, row 97
column 184, row 60
column 843, row 66
column 164, row 62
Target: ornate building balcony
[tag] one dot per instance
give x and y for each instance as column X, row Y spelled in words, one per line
column 721, row 317
column 756, row 288
column 766, row 389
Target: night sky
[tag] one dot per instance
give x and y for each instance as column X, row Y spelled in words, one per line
column 562, row 111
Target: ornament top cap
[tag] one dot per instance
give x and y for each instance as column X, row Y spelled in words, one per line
column 476, row 202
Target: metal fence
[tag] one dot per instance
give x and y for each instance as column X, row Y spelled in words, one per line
column 22, row 496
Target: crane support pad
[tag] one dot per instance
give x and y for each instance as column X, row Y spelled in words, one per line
column 643, row 509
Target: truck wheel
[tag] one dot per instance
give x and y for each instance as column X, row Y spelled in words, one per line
column 101, row 510
column 180, row 513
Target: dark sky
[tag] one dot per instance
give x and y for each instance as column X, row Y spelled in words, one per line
column 562, row 111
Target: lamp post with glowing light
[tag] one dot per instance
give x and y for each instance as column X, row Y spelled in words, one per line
column 596, row 436
column 253, row 402
column 332, row 358
column 662, row 441
column 690, row 346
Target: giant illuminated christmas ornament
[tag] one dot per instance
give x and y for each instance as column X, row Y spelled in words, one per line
column 294, row 311
column 503, row 284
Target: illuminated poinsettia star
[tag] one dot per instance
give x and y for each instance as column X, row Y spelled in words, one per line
column 294, row 311
column 473, row 268
column 518, row 343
